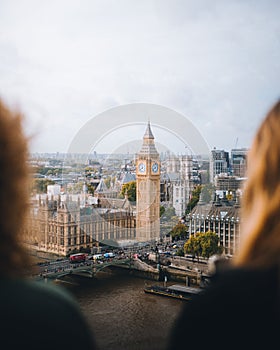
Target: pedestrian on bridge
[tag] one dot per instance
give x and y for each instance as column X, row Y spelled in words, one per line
column 33, row 315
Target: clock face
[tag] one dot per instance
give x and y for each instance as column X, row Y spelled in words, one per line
column 155, row 167
column 141, row 167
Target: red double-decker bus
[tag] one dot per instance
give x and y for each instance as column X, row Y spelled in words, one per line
column 79, row 257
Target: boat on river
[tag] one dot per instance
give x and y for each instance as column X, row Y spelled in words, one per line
column 174, row 291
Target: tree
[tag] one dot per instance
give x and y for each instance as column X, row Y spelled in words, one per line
column 203, row 244
column 75, row 188
column 130, row 189
column 107, row 181
column 178, row 231
column 210, row 244
column 40, row 185
column 193, row 246
column 90, row 188
column 161, row 210
column 194, row 198
column 180, row 252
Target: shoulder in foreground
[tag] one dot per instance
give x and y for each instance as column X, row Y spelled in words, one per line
column 240, row 300
column 39, row 290
column 246, row 277
column 49, row 310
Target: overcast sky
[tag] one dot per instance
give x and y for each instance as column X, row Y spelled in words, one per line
column 64, row 62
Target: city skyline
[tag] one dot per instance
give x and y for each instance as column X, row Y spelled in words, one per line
column 215, row 63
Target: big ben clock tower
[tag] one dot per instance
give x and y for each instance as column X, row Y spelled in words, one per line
column 147, row 190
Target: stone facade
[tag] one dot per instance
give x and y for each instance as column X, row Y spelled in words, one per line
column 63, row 227
column 221, row 217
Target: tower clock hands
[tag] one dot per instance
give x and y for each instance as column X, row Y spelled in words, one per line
column 142, row 167
column 155, row 167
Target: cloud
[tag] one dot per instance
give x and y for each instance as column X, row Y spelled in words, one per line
column 215, row 62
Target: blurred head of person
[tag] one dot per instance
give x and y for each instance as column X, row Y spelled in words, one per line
column 260, row 210
column 14, row 192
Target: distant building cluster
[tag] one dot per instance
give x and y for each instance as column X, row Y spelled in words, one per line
column 221, row 163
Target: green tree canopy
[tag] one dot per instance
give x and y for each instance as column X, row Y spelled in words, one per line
column 130, row 189
column 203, row 244
column 40, row 185
column 210, row 244
column 91, row 189
column 178, row 231
column 161, row 210
column 205, row 192
column 194, row 198
column 193, row 246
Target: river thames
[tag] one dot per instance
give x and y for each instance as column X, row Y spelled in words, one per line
column 122, row 315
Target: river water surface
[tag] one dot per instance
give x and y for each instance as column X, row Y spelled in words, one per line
column 122, row 316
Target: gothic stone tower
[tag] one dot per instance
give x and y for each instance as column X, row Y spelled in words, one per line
column 147, row 190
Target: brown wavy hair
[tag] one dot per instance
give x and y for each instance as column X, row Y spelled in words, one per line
column 260, row 240
column 14, row 192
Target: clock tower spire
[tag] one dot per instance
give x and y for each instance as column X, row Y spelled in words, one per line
column 147, row 189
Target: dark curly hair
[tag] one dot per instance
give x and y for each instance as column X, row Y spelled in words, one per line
column 14, row 192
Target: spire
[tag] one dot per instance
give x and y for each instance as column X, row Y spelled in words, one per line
column 101, row 186
column 148, row 146
column 148, row 133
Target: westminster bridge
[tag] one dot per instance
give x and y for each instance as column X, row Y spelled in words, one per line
column 57, row 270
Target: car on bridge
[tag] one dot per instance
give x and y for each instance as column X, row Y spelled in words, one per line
column 109, row 255
column 97, row 256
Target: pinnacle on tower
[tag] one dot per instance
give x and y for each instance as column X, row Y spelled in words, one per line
column 148, row 133
column 148, row 146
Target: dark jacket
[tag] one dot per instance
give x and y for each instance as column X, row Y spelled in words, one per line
column 238, row 310
column 41, row 316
